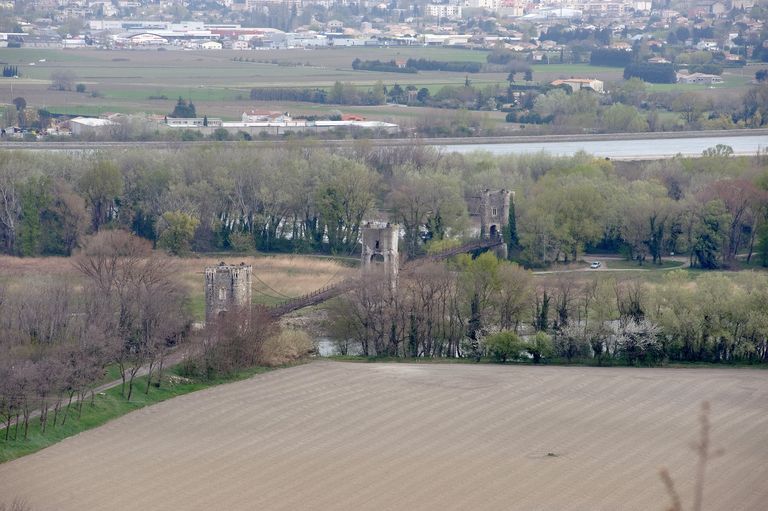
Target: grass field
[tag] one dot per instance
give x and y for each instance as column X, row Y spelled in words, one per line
column 275, row 278
column 345, row 436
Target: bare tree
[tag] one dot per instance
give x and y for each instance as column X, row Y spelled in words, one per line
column 62, row 80
column 140, row 306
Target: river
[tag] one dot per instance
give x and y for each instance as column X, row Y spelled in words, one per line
column 622, row 149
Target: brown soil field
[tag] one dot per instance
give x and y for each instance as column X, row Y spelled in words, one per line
column 344, row 436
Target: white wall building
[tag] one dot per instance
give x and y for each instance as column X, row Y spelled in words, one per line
column 443, row 11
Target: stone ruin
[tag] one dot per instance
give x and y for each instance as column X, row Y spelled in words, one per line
column 227, row 288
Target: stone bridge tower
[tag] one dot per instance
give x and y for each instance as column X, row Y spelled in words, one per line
column 494, row 216
column 379, row 253
column 226, row 288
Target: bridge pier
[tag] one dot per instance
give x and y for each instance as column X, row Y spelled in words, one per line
column 380, row 251
column 227, row 288
column 494, row 217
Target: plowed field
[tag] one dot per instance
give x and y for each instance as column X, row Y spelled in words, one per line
column 344, row 436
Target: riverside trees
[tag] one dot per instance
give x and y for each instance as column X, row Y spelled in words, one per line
column 463, row 310
column 302, row 198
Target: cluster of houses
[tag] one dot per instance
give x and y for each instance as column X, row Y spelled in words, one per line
column 120, row 23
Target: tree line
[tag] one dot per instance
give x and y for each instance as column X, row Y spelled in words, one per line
column 128, row 312
column 484, row 307
column 58, row 340
column 304, row 198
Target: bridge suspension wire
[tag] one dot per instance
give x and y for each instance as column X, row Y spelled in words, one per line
column 271, row 288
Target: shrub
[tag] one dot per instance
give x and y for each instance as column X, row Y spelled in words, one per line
column 540, row 346
column 286, row 347
column 504, row 346
column 80, row 87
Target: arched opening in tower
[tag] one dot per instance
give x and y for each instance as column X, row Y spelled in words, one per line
column 377, row 259
column 494, row 232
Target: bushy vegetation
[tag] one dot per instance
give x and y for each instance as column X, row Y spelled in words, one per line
column 377, row 65
column 484, row 307
column 652, row 73
column 610, row 57
column 441, row 65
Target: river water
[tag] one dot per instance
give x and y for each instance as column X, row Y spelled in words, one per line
column 623, row 149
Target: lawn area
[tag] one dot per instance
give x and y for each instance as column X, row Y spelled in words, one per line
column 105, row 407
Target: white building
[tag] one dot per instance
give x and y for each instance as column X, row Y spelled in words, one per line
column 699, row 78
column 193, row 122
column 91, row 126
column 265, row 116
column 577, row 84
column 443, row 11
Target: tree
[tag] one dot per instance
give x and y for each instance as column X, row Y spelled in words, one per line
column 343, row 199
column 619, row 118
column 504, row 346
column 20, row 103
column 139, row 308
column 511, row 237
column 428, row 206
column 540, row 346
column 710, row 235
column 62, row 80
column 102, row 186
column 638, row 342
column 177, row 232
column 183, row 109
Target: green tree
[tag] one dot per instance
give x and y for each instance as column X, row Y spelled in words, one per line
column 343, row 199
column 510, row 232
column 619, row 118
column 504, row 346
column 102, row 186
column 540, row 346
column 710, row 235
column 178, row 232
column 427, row 202
column 34, row 200
column 183, row 109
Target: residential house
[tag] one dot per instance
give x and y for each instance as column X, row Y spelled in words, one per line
column 577, row 84
column 699, row 78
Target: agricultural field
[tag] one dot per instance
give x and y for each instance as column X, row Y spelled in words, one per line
column 150, row 81
column 334, row 435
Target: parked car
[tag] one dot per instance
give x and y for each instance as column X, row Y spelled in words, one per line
column 595, row 265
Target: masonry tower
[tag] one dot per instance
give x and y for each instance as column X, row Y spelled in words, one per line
column 379, row 252
column 494, row 216
column 226, row 288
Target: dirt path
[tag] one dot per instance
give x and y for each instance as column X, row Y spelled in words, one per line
column 347, row 436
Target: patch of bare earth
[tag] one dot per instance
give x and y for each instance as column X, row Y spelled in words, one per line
column 347, row 436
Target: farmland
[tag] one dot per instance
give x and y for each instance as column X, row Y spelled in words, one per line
column 125, row 81
column 332, row 435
